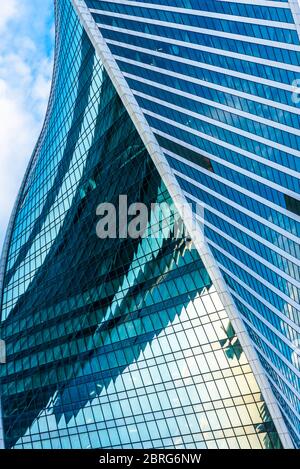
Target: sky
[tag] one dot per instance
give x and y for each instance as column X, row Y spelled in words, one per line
column 26, row 61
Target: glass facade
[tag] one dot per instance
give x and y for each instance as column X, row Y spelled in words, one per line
column 124, row 343
column 215, row 80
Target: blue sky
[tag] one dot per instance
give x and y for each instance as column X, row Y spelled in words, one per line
column 26, row 56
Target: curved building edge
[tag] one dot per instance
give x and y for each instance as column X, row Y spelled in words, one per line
column 11, row 222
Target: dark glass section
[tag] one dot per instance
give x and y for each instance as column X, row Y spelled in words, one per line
column 292, row 204
column 185, row 152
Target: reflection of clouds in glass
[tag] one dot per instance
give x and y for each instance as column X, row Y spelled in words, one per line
column 296, row 354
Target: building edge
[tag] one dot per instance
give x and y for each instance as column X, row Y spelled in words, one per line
column 11, row 222
column 10, row 226
column 184, row 211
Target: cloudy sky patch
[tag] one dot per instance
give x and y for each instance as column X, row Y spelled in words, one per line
column 26, row 56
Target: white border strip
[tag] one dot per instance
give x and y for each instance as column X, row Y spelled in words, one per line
column 184, row 210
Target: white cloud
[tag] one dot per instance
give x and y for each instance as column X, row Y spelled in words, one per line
column 26, row 33
column 9, row 10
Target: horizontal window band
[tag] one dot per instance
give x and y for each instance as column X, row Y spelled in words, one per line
column 248, row 232
column 264, row 321
column 217, row 123
column 251, row 253
column 210, row 50
column 254, row 275
column 196, row 158
column 262, row 300
column 202, row 31
column 201, row 65
column 206, row 84
column 206, row 13
column 212, row 104
column 239, row 208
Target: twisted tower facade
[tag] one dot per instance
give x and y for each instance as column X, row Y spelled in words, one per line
column 162, row 342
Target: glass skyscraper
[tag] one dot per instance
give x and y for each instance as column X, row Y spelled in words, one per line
column 160, row 341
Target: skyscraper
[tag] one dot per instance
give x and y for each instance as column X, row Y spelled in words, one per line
column 188, row 341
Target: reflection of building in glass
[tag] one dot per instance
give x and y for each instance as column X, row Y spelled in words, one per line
column 138, row 343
